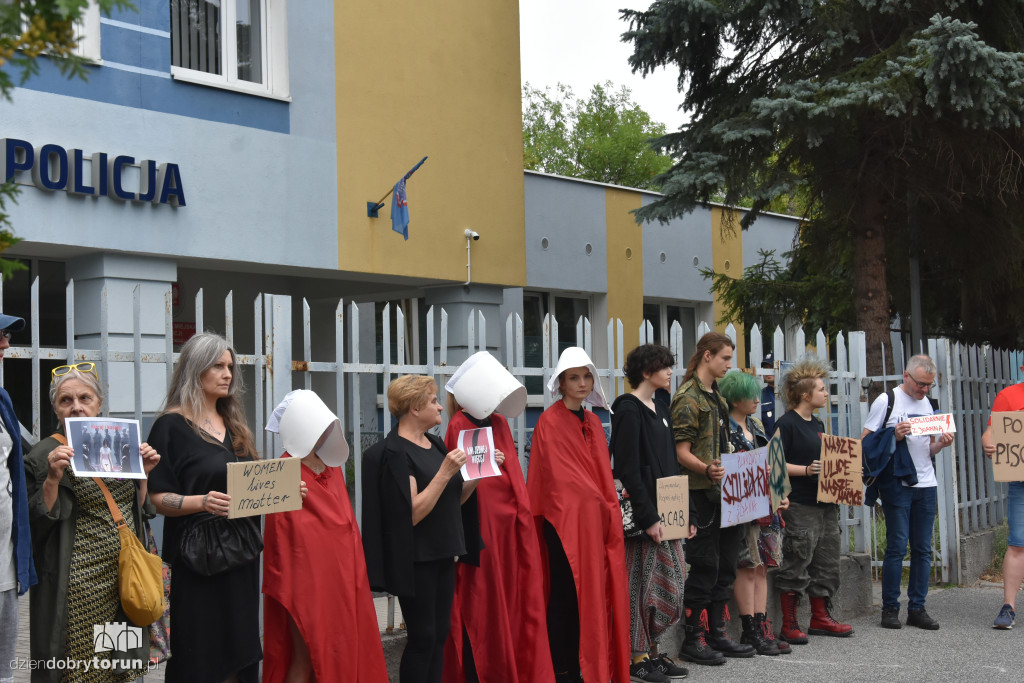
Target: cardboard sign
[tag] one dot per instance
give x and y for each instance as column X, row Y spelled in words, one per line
column 841, row 479
column 105, row 447
column 745, row 494
column 264, row 486
column 674, row 507
column 478, row 445
column 924, row 425
column 779, row 485
column 1008, row 436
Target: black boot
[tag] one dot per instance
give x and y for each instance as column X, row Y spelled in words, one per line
column 695, row 647
column 754, row 635
column 719, row 639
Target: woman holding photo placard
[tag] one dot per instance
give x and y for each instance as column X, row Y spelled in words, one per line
column 498, row 629
column 810, row 545
column 644, row 451
column 215, row 628
column 75, row 542
column 418, row 518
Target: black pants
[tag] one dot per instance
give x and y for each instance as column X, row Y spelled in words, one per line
column 563, row 607
column 427, row 621
column 712, row 554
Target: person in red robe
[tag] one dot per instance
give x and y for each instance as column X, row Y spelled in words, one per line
column 497, row 605
column 576, row 509
column 319, row 620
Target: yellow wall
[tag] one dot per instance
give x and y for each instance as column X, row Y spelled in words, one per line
column 727, row 257
column 438, row 79
column 625, row 273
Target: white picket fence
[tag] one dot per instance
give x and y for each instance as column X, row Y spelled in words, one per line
column 969, row 499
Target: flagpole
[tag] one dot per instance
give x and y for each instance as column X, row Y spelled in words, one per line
column 373, row 207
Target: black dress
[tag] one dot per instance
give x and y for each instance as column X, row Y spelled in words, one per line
column 214, row 619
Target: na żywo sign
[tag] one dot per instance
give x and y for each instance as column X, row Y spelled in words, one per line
column 841, row 479
column 745, row 492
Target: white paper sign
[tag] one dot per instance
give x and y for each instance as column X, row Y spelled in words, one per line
column 745, row 492
column 931, row 424
column 478, row 445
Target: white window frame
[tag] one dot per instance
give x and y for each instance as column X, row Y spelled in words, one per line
column 87, row 30
column 274, row 54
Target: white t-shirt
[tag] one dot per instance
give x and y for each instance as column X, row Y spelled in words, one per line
column 8, row 572
column 920, row 446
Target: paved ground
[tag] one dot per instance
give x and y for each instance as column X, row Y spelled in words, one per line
column 23, row 652
column 966, row 648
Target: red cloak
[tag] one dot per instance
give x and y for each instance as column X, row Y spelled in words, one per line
column 498, row 603
column 314, row 571
column 570, row 485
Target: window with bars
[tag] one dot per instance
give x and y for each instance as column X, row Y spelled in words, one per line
column 238, row 44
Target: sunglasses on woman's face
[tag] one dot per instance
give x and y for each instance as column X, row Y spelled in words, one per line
column 65, row 369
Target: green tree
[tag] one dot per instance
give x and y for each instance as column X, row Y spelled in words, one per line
column 30, row 30
column 604, row 138
column 871, row 106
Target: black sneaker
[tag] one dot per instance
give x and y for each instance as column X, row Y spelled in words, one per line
column 645, row 670
column 920, row 619
column 891, row 617
column 665, row 665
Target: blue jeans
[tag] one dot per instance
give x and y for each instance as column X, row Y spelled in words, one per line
column 909, row 516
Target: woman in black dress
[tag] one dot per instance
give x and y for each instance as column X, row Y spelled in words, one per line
column 415, row 523
column 215, row 633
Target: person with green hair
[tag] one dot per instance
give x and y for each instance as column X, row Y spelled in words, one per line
column 762, row 542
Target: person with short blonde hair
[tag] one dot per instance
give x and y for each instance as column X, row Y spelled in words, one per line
column 409, row 392
column 414, row 523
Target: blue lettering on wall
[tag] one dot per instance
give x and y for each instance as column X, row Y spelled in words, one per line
column 53, row 168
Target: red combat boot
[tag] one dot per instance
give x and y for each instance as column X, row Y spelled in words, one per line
column 822, row 623
column 790, row 631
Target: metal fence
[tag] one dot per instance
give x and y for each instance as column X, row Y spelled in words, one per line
column 283, row 359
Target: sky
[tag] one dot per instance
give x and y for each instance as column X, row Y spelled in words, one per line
column 576, row 42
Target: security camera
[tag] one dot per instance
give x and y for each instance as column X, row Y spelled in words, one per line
column 472, row 234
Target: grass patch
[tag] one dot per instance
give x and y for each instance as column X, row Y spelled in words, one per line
column 995, row 570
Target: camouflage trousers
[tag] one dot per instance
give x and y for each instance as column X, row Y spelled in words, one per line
column 810, row 551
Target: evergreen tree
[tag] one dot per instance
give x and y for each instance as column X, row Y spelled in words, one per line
column 871, row 107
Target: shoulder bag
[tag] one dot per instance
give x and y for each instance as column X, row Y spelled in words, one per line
column 139, row 572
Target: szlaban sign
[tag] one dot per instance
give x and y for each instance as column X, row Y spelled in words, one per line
column 53, row 168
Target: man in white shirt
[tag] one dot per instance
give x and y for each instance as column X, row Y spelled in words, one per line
column 909, row 510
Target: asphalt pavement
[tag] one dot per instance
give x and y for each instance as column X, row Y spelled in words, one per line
column 965, row 648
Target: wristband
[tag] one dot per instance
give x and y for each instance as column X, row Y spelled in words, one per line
column 707, row 471
column 807, row 470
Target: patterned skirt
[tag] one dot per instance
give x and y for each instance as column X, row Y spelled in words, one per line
column 657, row 572
column 762, row 544
column 93, row 597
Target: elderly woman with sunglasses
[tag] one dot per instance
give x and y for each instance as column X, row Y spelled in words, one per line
column 75, row 542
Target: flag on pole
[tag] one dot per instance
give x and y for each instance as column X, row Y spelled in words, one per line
column 400, row 204
column 400, row 209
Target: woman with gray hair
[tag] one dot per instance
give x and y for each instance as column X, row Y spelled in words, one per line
column 215, row 610
column 75, row 543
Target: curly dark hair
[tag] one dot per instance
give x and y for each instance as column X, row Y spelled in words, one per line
column 647, row 358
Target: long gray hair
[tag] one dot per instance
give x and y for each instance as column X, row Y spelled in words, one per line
column 186, row 394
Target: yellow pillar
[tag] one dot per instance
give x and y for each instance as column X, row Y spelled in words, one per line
column 727, row 258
